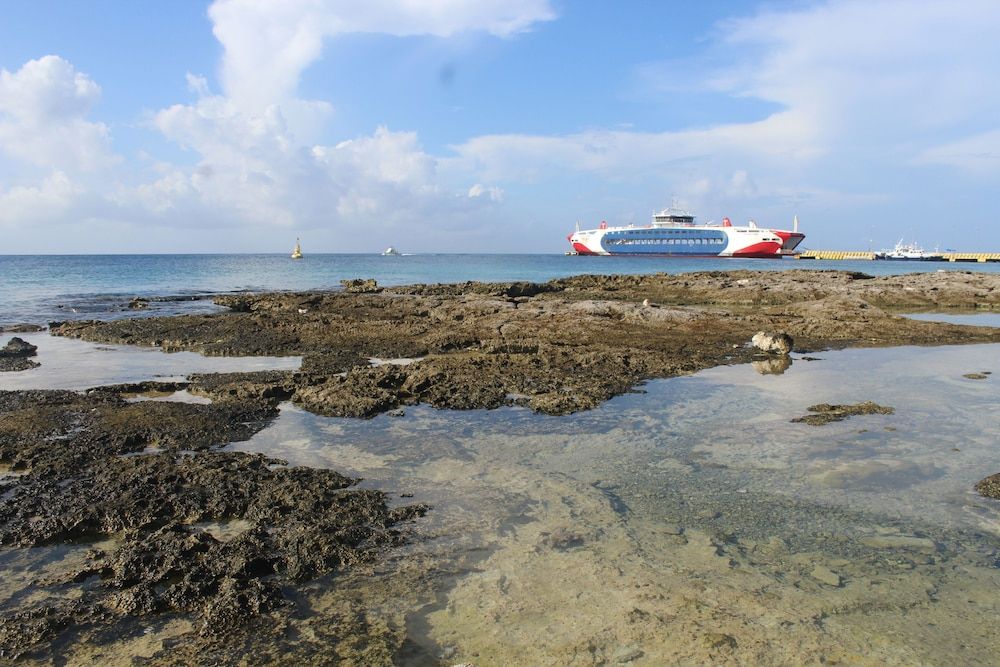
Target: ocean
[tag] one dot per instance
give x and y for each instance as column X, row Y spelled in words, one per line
column 44, row 288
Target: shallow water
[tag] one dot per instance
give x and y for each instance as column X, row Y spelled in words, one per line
column 974, row 319
column 68, row 363
column 691, row 523
column 695, row 522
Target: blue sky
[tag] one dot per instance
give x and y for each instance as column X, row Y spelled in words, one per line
column 492, row 126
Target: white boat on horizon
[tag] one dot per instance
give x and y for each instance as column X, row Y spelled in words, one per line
column 390, row 252
column 297, row 252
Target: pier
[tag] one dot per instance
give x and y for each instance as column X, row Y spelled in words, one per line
column 867, row 254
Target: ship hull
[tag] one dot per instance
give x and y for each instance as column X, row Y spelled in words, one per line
column 686, row 241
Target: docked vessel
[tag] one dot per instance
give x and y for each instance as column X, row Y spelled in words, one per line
column 297, row 252
column 673, row 233
column 909, row 252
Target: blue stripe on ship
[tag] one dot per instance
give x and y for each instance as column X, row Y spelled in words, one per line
column 653, row 241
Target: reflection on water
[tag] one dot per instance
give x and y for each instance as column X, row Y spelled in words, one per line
column 695, row 522
column 67, row 363
column 975, row 319
column 772, row 365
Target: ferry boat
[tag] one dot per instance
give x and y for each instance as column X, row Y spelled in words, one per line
column 673, row 233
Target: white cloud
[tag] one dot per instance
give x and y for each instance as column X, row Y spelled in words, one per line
column 268, row 43
column 864, row 88
column 49, row 200
column 43, row 110
column 493, row 192
column 258, row 160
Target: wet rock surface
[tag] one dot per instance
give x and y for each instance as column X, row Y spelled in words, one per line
column 14, row 355
column 91, row 465
column 147, row 474
column 989, row 487
column 824, row 413
column 556, row 347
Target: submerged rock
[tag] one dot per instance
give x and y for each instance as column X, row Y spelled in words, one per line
column 826, row 413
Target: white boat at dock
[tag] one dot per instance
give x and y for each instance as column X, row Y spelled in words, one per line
column 909, row 252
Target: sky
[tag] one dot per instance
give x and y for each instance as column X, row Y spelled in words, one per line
column 492, row 125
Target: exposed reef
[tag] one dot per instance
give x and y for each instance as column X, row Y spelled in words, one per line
column 224, row 539
column 149, row 475
column 824, row 413
column 555, row 347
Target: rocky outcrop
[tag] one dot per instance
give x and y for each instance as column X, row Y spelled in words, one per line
column 94, row 465
column 555, row 347
column 360, row 286
column 14, row 355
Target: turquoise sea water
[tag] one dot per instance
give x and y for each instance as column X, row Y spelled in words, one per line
column 43, row 288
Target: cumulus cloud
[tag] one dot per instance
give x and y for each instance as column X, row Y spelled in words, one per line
column 49, row 200
column 43, row 117
column 255, row 139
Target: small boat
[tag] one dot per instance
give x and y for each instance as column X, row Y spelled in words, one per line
column 909, row 252
column 297, row 253
column 390, row 252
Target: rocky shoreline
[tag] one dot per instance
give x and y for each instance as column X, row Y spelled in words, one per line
column 151, row 475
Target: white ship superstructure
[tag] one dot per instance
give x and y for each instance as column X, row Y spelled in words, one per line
column 673, row 232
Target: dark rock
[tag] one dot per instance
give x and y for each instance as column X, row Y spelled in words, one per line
column 826, row 413
column 16, row 347
column 150, row 472
column 14, row 356
column 138, row 303
column 360, row 286
column 989, row 487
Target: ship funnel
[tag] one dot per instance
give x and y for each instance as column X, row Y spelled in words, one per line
column 795, row 223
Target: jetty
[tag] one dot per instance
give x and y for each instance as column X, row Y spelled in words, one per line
column 868, row 254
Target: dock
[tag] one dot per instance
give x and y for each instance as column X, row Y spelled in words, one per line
column 867, row 254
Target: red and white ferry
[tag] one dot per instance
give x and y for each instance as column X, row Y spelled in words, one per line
column 673, row 233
